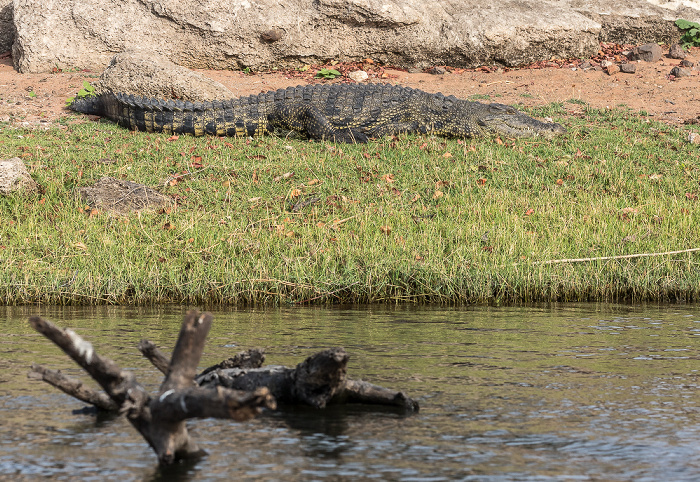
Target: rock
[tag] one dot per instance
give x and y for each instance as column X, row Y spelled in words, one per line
column 14, row 177
column 647, row 53
column 358, row 75
column 628, row 68
column 694, row 138
column 259, row 34
column 220, row 34
column 272, row 35
column 680, row 72
column 605, row 64
column 7, row 28
column 122, row 197
column 147, row 74
column 612, row 69
column 676, row 52
column 687, row 64
column 437, row 70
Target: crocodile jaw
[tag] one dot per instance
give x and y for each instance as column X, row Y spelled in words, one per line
column 508, row 121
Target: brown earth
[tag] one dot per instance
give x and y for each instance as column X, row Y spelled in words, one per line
column 39, row 99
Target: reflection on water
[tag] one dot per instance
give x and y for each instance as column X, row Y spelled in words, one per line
column 568, row 392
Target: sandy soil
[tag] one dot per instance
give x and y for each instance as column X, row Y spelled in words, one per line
column 39, row 99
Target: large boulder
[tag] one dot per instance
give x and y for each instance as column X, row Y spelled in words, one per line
column 7, row 27
column 144, row 73
column 234, row 34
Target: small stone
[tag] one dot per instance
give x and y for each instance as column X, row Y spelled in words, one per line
column 612, row 69
column 628, row 68
column 586, row 65
column 15, row 177
column 680, row 72
column 415, row 71
column 605, row 64
column 358, row 75
column 687, row 64
column 694, row 138
column 676, row 52
column 647, row 53
column 437, row 70
column 272, row 35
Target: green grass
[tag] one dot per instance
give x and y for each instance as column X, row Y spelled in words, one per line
column 417, row 219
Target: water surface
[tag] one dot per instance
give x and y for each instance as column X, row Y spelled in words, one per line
column 564, row 392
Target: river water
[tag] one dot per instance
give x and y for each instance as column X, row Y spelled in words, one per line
column 536, row 393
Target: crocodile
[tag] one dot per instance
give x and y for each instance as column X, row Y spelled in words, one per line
column 350, row 113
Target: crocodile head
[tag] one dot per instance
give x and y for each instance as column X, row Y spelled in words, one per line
column 508, row 121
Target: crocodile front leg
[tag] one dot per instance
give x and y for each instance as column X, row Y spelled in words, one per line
column 308, row 120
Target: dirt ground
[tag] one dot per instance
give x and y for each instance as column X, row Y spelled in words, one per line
column 39, row 99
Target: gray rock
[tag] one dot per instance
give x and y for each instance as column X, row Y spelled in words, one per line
column 147, row 74
column 628, row 68
column 14, row 177
column 680, row 72
column 676, row 52
column 122, row 197
column 224, row 34
column 647, row 53
column 7, row 27
column 687, row 64
column 437, row 70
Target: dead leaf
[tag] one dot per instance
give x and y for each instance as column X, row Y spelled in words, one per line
column 168, row 226
column 415, row 198
column 438, row 194
column 81, row 246
column 481, row 181
column 560, row 182
column 692, row 196
column 286, row 175
column 313, row 182
column 447, row 155
column 529, row 212
column 254, row 199
column 295, row 193
column 388, row 178
column 386, row 230
column 172, row 138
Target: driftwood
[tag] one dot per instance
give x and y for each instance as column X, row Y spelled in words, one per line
column 237, row 388
column 161, row 419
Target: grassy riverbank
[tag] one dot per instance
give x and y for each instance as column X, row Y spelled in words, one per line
column 416, row 219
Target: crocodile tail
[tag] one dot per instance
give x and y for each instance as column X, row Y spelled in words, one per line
column 92, row 105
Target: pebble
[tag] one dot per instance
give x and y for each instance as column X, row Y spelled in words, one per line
column 612, row 69
column 647, row 53
column 358, row 75
column 694, row 138
column 680, row 72
column 628, row 68
column 676, row 52
column 437, row 70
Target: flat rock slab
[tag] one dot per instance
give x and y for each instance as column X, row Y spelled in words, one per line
column 14, row 177
column 122, row 197
column 260, row 34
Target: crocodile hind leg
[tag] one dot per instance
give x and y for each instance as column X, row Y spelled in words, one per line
column 309, row 120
